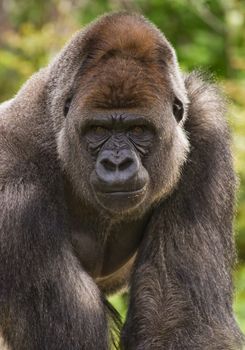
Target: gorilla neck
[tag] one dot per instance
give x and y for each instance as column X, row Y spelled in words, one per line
column 95, row 239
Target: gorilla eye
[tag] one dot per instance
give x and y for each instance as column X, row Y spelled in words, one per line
column 99, row 130
column 67, row 106
column 178, row 109
column 137, row 130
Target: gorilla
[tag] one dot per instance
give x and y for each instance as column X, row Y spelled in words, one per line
column 116, row 172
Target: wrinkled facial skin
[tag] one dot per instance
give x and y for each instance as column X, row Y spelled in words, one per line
column 118, row 144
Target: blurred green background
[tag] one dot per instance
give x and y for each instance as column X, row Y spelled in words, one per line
column 207, row 34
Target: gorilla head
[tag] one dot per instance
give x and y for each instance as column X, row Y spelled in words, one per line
column 122, row 141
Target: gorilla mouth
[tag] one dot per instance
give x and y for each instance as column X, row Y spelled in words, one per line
column 123, row 192
column 121, row 199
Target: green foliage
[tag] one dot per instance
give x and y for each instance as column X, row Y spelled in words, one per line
column 208, row 34
column 239, row 305
column 23, row 53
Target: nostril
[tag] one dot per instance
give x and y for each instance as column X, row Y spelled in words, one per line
column 125, row 164
column 108, row 165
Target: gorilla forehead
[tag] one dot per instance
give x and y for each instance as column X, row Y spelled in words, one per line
column 123, row 81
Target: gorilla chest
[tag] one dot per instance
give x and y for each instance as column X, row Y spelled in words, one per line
column 104, row 253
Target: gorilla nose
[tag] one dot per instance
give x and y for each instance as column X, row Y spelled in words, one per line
column 116, row 165
column 117, row 169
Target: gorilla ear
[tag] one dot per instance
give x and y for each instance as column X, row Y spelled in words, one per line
column 67, row 105
column 178, row 109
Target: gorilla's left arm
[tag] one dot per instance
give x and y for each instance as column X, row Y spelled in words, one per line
column 181, row 288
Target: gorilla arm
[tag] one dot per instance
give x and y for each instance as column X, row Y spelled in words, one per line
column 181, row 289
column 47, row 302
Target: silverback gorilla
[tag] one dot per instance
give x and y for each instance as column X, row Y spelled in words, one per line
column 115, row 170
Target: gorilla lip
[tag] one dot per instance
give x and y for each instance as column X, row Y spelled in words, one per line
column 134, row 193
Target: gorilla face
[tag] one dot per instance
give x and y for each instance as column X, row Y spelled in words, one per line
column 123, row 161
column 118, row 143
column 123, row 143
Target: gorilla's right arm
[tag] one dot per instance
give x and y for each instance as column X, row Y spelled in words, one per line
column 47, row 301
